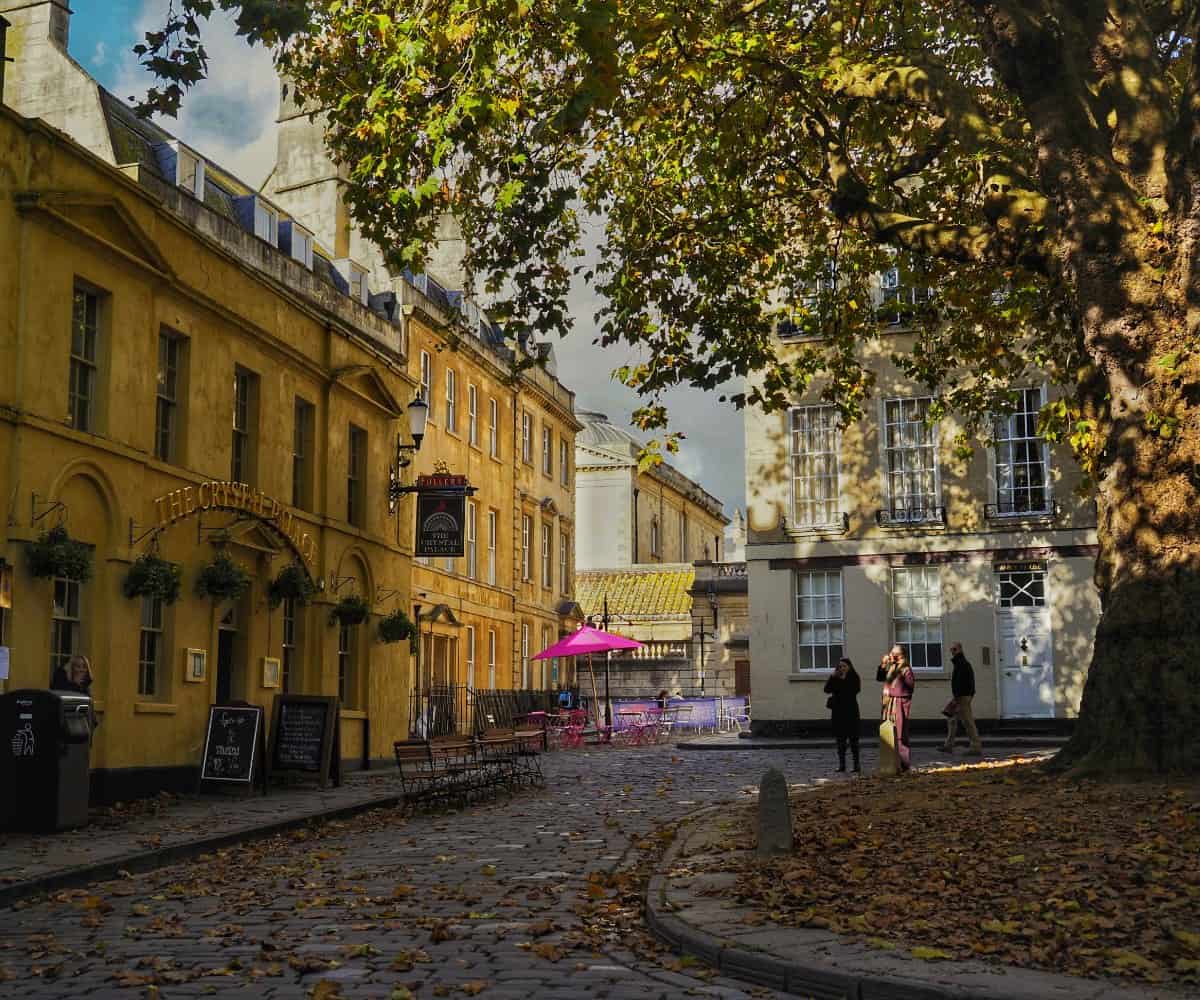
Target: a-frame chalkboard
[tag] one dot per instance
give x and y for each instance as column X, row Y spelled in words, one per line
column 234, row 757
column 306, row 738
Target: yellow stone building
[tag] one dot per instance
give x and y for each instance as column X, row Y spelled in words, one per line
column 170, row 380
column 191, row 368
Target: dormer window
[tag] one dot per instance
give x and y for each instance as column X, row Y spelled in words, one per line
column 356, row 277
column 189, row 171
column 297, row 242
column 266, row 223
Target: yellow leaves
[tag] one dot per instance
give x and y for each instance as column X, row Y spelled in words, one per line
column 548, row 950
column 474, row 987
column 402, row 890
column 1016, row 859
column 1001, row 926
column 1189, row 939
column 488, row 870
column 1123, row 958
column 930, row 954
column 326, row 989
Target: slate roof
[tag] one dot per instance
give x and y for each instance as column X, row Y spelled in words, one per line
column 637, row 592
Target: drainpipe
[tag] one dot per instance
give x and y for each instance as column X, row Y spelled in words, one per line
column 635, row 526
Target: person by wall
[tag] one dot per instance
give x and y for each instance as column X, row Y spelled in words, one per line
column 899, row 682
column 962, row 687
column 843, row 687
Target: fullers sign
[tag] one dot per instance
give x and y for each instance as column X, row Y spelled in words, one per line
column 240, row 499
column 441, row 514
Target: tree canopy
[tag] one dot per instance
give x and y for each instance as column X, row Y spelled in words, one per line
column 1033, row 163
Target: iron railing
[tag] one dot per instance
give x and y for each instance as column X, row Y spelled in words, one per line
column 457, row 710
column 896, row 517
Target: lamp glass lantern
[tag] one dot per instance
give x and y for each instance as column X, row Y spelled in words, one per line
column 418, row 416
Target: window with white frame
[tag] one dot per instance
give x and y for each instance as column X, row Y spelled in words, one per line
column 526, row 554
column 451, row 399
column 553, row 664
column 85, row 334
column 287, row 646
column 65, row 622
column 493, row 530
column 820, row 629
column 564, row 463
column 564, row 576
column 524, row 655
column 493, row 428
column 150, row 647
column 491, row 659
column 266, row 222
column 815, row 440
column 547, row 577
column 427, row 379
column 1022, row 474
column 526, row 438
column 910, row 455
column 472, row 415
column 471, row 656
column 917, row 615
column 166, row 412
column 654, row 536
column 189, row 172
column 547, row 451
column 472, row 517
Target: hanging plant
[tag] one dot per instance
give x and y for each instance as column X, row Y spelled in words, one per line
column 292, row 584
column 396, row 627
column 351, row 610
column 152, row 576
column 55, row 553
column 222, row 579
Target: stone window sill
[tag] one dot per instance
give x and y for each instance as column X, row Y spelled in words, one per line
column 154, row 708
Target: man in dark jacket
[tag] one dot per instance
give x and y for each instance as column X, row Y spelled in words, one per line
column 962, row 686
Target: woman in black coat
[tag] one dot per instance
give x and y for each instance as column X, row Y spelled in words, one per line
column 843, row 687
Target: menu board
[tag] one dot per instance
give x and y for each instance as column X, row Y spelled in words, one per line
column 304, row 737
column 231, row 744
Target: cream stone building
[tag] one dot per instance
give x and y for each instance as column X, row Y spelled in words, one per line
column 874, row 533
column 639, row 538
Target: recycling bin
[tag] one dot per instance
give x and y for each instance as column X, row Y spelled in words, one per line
column 45, row 745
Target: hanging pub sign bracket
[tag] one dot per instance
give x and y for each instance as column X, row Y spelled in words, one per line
column 48, row 507
column 136, row 536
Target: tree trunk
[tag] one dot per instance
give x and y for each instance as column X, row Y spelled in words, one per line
column 1141, row 702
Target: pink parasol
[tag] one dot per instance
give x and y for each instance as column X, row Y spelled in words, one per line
column 587, row 640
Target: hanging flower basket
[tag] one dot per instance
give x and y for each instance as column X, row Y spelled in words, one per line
column 292, row 584
column 56, row 553
column 152, row 576
column 352, row 610
column 396, row 627
column 222, row 580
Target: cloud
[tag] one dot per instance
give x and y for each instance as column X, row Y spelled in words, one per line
column 100, row 55
column 229, row 117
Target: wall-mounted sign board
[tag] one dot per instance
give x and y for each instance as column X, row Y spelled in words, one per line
column 441, row 517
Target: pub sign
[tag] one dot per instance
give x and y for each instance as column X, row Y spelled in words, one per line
column 441, row 515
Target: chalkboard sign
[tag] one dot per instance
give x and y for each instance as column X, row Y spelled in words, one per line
column 305, row 734
column 231, row 744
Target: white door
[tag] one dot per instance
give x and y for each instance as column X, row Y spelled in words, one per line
column 1025, row 662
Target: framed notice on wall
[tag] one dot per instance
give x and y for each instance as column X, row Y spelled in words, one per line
column 440, row 521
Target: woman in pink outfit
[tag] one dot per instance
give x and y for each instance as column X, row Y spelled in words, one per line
column 898, row 684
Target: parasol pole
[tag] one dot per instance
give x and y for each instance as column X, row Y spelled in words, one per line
column 595, row 694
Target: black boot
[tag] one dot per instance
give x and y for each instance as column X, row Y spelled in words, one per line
column 841, row 749
column 857, row 765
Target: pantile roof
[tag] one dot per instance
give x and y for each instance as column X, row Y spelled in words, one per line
column 637, row 592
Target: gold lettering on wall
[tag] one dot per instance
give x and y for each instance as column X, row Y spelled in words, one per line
column 238, row 497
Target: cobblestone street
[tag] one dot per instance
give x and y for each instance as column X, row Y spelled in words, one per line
column 493, row 899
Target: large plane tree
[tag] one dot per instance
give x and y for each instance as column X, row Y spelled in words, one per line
column 745, row 162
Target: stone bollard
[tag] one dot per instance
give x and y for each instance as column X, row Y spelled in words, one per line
column 774, row 815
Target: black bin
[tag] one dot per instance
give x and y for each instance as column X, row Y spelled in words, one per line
column 45, row 744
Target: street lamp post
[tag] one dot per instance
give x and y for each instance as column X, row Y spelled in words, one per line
column 418, row 415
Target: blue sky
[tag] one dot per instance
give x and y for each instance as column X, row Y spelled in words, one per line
column 230, row 118
column 101, row 32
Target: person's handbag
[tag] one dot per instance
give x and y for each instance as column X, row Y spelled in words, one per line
column 829, row 702
column 889, row 758
column 951, row 709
